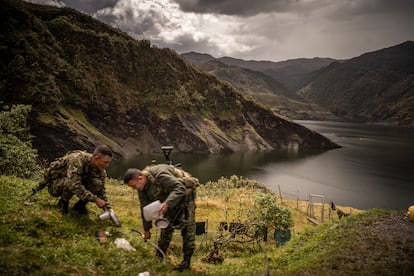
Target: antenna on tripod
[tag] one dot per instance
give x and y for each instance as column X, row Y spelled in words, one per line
column 167, row 150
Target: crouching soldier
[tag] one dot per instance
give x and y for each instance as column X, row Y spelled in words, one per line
column 176, row 190
column 79, row 173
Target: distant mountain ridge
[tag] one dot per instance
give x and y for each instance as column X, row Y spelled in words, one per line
column 198, row 58
column 376, row 87
column 293, row 74
column 267, row 90
column 89, row 83
column 246, row 80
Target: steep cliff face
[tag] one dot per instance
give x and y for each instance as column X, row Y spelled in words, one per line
column 89, row 84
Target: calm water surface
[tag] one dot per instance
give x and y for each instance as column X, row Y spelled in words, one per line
column 373, row 169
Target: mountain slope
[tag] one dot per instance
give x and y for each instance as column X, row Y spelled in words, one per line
column 261, row 87
column 380, row 82
column 197, row 58
column 294, row 73
column 245, row 80
column 89, row 83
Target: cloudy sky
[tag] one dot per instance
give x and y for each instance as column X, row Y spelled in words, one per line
column 273, row 30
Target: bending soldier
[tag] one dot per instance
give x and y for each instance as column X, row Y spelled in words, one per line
column 166, row 183
column 79, row 173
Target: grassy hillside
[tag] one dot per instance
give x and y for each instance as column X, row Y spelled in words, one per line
column 37, row 240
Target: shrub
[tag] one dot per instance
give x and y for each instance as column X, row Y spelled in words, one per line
column 17, row 157
column 268, row 213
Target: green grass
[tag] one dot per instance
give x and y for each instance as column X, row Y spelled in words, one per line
column 38, row 240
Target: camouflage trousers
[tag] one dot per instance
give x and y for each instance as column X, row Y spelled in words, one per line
column 188, row 232
column 60, row 188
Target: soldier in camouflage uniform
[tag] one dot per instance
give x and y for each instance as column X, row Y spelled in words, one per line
column 176, row 190
column 82, row 174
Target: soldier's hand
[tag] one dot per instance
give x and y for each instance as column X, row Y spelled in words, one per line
column 147, row 235
column 163, row 208
column 100, row 202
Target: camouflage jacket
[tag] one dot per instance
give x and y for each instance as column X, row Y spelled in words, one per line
column 165, row 185
column 83, row 180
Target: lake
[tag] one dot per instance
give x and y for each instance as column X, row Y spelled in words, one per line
column 373, row 169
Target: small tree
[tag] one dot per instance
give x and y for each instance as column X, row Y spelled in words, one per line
column 267, row 213
column 17, row 157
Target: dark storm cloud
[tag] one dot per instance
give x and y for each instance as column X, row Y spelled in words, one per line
column 253, row 7
column 86, row 6
column 236, row 7
column 89, row 6
column 378, row 6
column 347, row 10
column 56, row 3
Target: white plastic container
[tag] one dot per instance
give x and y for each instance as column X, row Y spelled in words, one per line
column 152, row 210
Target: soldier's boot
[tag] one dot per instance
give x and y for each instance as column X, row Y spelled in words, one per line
column 158, row 255
column 80, row 207
column 185, row 264
column 63, row 206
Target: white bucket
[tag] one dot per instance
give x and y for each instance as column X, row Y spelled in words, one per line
column 152, row 210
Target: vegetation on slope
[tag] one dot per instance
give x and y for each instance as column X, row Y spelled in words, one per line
column 293, row 73
column 261, row 87
column 381, row 82
column 38, row 240
column 17, row 157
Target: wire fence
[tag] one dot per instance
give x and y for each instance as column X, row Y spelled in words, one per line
column 317, row 207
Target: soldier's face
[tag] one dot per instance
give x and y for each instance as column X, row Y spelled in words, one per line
column 138, row 183
column 101, row 161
